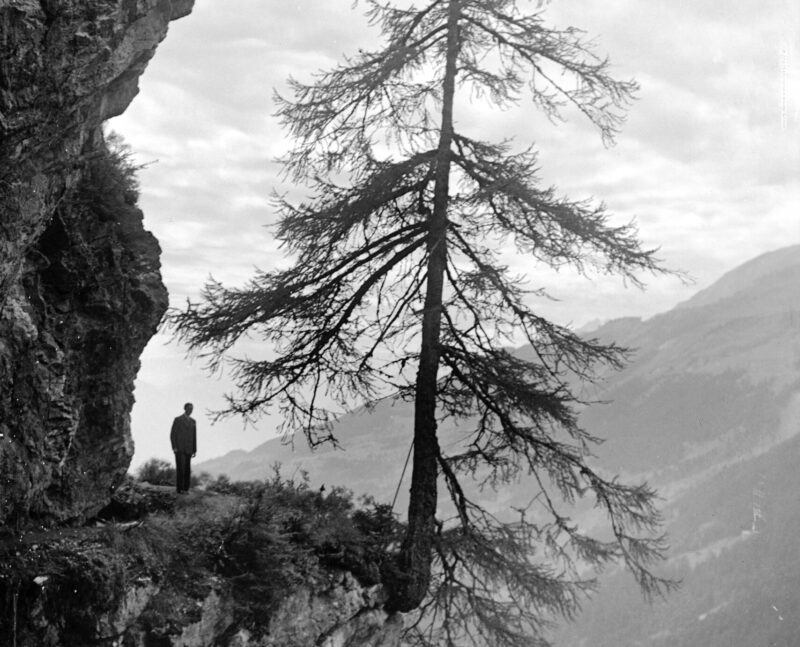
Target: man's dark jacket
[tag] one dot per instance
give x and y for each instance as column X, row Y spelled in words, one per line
column 184, row 435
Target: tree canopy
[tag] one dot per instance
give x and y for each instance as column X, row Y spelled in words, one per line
column 397, row 287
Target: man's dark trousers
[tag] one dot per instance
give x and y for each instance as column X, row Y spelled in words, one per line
column 183, row 471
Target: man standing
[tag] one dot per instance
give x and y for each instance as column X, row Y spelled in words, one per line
column 184, row 443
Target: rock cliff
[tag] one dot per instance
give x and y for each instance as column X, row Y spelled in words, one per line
column 80, row 289
column 80, row 296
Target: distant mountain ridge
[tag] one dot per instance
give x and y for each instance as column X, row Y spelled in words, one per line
column 708, row 410
column 784, row 261
column 723, row 363
column 723, row 349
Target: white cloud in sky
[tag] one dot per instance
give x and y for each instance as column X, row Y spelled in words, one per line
column 708, row 162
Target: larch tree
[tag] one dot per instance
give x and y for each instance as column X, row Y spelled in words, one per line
column 397, row 287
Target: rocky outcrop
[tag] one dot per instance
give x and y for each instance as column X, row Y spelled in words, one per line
column 213, row 569
column 80, row 290
column 338, row 613
column 343, row 614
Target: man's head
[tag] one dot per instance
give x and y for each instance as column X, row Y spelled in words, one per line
column 188, row 408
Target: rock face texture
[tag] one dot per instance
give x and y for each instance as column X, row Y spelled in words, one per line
column 343, row 614
column 80, row 289
column 209, row 570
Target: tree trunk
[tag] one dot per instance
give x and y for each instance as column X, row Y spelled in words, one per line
column 414, row 561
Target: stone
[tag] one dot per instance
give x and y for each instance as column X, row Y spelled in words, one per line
column 136, row 597
column 343, row 614
column 370, row 628
column 215, row 617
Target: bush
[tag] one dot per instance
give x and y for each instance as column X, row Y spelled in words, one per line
column 110, row 179
column 156, row 472
column 288, row 533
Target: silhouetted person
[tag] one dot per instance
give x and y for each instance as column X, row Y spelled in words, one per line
column 184, row 443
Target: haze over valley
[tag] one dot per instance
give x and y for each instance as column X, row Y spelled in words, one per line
column 707, row 411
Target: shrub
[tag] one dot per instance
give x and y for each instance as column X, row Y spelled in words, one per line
column 111, row 175
column 156, row 472
column 287, row 533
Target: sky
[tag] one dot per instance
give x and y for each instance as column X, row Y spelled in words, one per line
column 707, row 164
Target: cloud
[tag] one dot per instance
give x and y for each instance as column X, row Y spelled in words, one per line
column 708, row 162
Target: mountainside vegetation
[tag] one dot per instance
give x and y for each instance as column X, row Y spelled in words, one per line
column 154, row 569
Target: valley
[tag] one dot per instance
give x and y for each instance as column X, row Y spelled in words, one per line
column 707, row 411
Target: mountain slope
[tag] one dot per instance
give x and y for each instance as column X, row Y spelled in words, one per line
column 708, row 411
column 717, row 374
column 719, row 370
column 778, row 267
column 373, row 446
